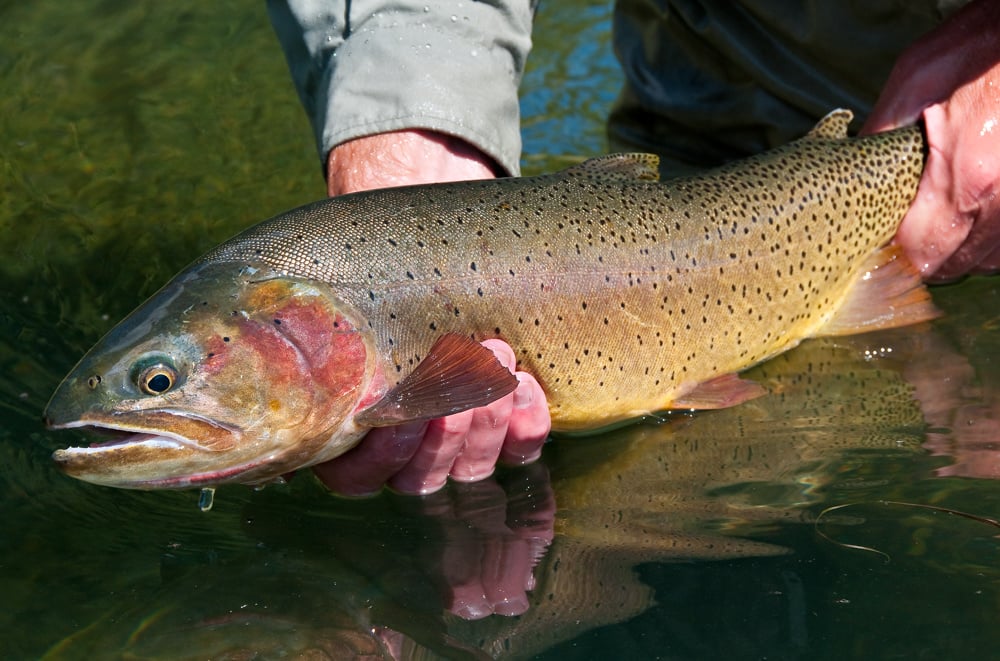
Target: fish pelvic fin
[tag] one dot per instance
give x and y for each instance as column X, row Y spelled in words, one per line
column 832, row 127
column 888, row 293
column 456, row 375
column 619, row 167
column 719, row 393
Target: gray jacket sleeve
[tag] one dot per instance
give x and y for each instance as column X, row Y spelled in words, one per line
column 370, row 66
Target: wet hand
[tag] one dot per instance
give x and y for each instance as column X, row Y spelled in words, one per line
column 951, row 77
column 418, row 457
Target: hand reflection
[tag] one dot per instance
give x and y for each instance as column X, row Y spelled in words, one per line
column 959, row 406
column 493, row 534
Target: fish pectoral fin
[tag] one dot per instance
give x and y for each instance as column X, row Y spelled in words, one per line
column 619, row 167
column 456, row 375
column 832, row 127
column 888, row 293
column 719, row 393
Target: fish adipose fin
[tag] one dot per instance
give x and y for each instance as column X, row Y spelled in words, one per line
column 457, row 374
column 888, row 293
column 619, row 167
column 833, row 126
column 720, row 393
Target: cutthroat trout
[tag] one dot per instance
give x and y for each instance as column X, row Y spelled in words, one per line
column 624, row 296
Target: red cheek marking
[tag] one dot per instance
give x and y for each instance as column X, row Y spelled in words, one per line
column 216, row 354
column 281, row 363
column 333, row 347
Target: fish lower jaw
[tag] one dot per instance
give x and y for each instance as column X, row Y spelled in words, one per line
column 148, row 461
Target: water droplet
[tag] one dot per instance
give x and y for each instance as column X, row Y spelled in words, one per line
column 206, row 499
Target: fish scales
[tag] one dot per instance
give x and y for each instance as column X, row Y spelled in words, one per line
column 621, row 295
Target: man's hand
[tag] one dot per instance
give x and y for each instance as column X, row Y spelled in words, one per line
column 951, row 77
column 402, row 158
column 418, row 458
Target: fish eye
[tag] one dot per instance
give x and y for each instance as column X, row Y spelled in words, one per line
column 156, row 380
column 155, row 376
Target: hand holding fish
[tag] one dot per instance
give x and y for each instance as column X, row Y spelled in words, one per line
column 952, row 78
column 418, row 457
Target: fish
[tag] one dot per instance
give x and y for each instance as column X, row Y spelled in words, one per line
column 623, row 295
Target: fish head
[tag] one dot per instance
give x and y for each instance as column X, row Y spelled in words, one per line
column 228, row 374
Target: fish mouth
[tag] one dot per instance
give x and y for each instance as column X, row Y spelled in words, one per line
column 136, row 456
column 124, row 435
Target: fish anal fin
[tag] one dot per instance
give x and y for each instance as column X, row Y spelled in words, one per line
column 457, row 374
column 623, row 167
column 833, row 126
column 887, row 294
column 719, row 393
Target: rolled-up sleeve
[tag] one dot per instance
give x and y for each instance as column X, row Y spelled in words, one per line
column 371, row 66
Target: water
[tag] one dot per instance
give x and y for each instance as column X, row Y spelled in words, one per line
column 134, row 136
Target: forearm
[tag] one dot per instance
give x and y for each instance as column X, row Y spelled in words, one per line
column 377, row 69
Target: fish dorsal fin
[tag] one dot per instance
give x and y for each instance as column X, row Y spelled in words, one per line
column 457, row 374
column 833, row 126
column 719, row 393
column 888, row 293
column 623, row 167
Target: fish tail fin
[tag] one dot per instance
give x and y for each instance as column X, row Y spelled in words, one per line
column 888, row 293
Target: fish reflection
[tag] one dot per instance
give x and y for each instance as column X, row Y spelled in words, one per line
column 402, row 577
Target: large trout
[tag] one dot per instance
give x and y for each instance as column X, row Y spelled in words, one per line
column 624, row 296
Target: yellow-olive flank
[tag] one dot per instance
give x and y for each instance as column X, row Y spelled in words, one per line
column 623, row 295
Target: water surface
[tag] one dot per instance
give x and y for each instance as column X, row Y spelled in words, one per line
column 134, row 136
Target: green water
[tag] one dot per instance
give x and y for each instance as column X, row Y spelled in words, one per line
column 134, row 136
